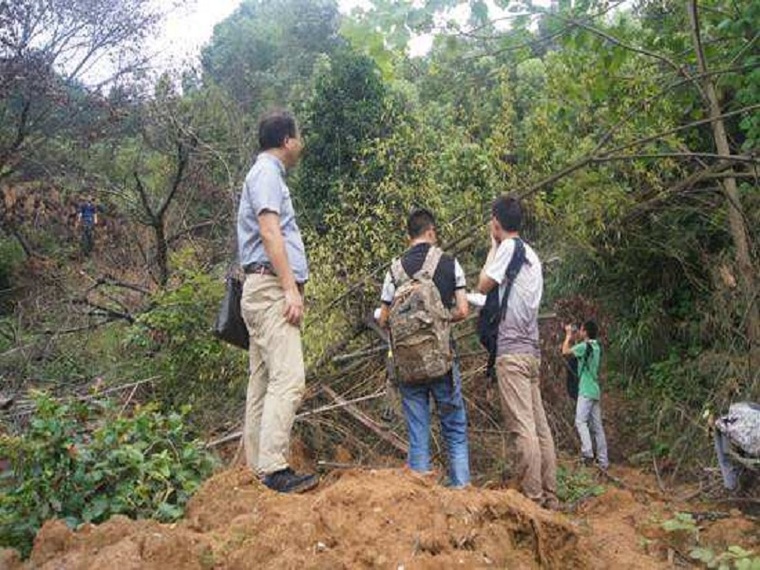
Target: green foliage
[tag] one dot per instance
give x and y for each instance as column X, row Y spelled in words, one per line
column 488, row 110
column 576, row 484
column 86, row 461
column 264, row 53
column 681, row 522
column 684, row 529
column 195, row 367
column 346, row 113
column 733, row 557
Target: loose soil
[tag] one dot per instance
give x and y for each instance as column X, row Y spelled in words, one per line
column 391, row 518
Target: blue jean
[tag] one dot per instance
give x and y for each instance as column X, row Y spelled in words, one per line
column 447, row 393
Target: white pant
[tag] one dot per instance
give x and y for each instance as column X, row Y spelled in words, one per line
column 588, row 413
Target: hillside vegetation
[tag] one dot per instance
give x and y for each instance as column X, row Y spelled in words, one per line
column 630, row 130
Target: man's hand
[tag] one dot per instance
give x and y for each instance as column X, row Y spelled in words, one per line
column 566, row 343
column 385, row 312
column 293, row 307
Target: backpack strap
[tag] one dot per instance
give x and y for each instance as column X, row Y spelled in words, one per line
column 587, row 355
column 399, row 276
column 432, row 259
column 515, row 264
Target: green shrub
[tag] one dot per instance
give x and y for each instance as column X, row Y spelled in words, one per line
column 195, row 367
column 576, row 484
column 733, row 557
column 84, row 462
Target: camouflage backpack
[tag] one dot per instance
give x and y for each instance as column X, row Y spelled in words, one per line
column 742, row 426
column 419, row 323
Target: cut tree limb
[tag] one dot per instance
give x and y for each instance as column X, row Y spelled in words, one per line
column 384, row 434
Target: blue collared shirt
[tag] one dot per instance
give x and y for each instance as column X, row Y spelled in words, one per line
column 265, row 190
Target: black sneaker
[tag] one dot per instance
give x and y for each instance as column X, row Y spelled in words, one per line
column 288, row 481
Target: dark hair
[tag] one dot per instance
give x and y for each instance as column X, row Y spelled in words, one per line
column 508, row 211
column 419, row 221
column 274, row 127
column 591, row 328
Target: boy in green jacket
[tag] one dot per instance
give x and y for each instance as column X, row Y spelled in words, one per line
column 588, row 411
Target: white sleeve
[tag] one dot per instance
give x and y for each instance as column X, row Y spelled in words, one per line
column 460, row 280
column 498, row 268
column 389, row 289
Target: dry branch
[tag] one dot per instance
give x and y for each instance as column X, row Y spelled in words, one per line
column 368, row 422
column 238, row 433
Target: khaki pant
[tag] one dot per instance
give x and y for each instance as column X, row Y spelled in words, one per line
column 526, row 420
column 277, row 377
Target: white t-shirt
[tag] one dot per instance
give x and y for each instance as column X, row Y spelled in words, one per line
column 518, row 332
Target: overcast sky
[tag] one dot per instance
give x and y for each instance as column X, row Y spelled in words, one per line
column 188, row 28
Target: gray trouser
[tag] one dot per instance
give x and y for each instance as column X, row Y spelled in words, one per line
column 728, row 470
column 588, row 413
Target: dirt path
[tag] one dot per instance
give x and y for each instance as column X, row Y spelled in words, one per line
column 386, row 518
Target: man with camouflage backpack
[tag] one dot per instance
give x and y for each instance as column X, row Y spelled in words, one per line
column 424, row 292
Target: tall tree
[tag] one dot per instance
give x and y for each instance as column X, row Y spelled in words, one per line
column 49, row 47
column 172, row 167
column 736, row 213
column 344, row 115
column 265, row 52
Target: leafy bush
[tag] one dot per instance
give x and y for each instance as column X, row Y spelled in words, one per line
column 195, row 367
column 734, row 557
column 86, row 461
column 684, row 529
column 576, row 485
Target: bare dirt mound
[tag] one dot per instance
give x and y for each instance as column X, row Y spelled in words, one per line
column 391, row 518
column 355, row 519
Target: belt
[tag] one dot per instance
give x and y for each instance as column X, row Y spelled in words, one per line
column 258, row 269
column 265, row 269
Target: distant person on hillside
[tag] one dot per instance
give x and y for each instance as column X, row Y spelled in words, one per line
column 424, row 261
column 87, row 219
column 588, row 410
column 737, row 442
column 518, row 357
column 273, row 258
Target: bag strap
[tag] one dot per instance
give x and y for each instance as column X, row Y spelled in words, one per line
column 515, row 264
column 432, row 259
column 587, row 355
column 399, row 276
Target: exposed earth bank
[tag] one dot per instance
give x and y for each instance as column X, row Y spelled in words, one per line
column 386, row 518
